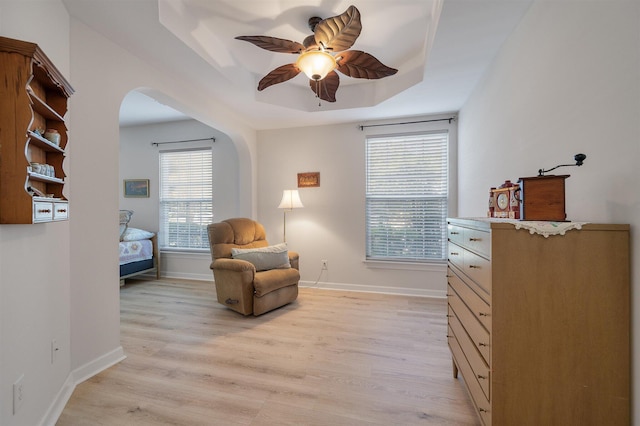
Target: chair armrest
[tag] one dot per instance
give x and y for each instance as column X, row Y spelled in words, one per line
column 234, row 283
column 235, row 265
column 294, row 260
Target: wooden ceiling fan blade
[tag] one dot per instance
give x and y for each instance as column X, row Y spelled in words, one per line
column 359, row 64
column 274, row 44
column 279, row 75
column 339, row 32
column 326, row 88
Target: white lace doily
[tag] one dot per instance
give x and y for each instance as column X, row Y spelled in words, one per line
column 548, row 228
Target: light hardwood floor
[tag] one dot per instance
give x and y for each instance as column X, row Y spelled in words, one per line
column 330, row 358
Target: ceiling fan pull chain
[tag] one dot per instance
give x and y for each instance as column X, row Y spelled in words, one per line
column 318, row 92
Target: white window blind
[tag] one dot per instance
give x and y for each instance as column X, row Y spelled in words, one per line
column 186, row 198
column 406, row 197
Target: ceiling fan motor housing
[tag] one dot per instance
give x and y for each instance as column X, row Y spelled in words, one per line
column 313, row 21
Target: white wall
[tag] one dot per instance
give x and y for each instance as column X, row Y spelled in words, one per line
column 34, row 259
column 567, row 81
column 139, row 160
column 103, row 74
column 331, row 225
column 60, row 280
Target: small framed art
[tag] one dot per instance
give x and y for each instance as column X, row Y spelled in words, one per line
column 136, row 188
column 308, row 180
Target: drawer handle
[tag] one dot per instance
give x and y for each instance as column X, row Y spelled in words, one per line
column 475, row 239
column 62, row 210
column 483, row 344
column 474, row 267
column 449, row 276
column 482, row 314
column 44, row 211
column 449, row 295
column 454, row 233
column 449, row 316
column 453, row 253
column 482, row 377
column 483, row 410
column 449, row 336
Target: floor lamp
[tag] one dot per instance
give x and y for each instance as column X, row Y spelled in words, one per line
column 290, row 200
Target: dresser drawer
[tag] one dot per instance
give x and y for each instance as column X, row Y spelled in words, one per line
column 478, row 269
column 456, row 255
column 479, row 336
column 455, row 234
column 475, row 391
column 478, row 241
column 480, row 308
column 475, row 359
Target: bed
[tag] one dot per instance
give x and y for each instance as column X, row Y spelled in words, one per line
column 139, row 252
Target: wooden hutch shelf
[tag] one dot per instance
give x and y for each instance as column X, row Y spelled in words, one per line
column 33, row 99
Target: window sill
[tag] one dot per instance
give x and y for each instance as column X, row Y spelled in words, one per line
column 188, row 252
column 431, row 266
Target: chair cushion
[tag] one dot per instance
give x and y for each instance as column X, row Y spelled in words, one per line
column 274, row 279
column 265, row 258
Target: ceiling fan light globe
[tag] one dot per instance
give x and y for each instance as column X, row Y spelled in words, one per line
column 316, row 64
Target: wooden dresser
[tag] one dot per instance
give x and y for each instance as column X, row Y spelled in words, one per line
column 539, row 327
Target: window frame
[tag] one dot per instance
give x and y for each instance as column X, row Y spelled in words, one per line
column 413, row 262
column 163, row 240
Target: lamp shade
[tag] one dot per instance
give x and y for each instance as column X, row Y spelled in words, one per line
column 316, row 64
column 290, row 199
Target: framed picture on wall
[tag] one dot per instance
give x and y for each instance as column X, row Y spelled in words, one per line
column 308, row 180
column 136, row 188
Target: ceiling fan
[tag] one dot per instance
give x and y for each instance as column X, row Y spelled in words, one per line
column 322, row 53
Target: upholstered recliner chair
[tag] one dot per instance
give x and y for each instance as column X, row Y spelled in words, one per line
column 251, row 277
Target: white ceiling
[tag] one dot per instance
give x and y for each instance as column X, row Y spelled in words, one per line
column 440, row 47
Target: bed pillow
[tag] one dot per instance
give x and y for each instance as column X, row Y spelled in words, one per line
column 265, row 258
column 134, row 234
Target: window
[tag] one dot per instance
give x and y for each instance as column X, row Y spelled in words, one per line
column 406, row 197
column 186, row 198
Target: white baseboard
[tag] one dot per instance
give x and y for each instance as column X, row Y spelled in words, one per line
column 76, row 377
column 99, row 364
column 402, row 291
column 188, row 276
column 60, row 401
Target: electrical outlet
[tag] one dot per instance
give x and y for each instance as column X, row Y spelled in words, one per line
column 54, row 350
column 325, row 264
column 18, row 394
